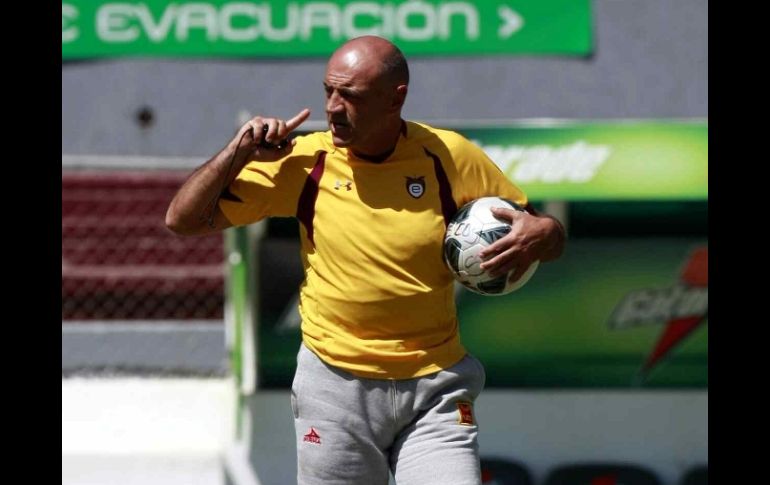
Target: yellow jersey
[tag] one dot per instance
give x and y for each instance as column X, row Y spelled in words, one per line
column 377, row 299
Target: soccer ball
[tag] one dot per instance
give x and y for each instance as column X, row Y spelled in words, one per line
column 473, row 228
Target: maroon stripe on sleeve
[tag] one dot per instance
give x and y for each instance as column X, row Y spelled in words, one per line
column 448, row 205
column 227, row 195
column 306, row 204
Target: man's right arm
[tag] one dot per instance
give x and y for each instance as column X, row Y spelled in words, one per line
column 190, row 211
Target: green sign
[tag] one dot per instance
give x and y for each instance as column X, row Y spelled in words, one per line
column 610, row 313
column 643, row 160
column 272, row 28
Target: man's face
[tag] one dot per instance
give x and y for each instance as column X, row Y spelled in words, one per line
column 357, row 100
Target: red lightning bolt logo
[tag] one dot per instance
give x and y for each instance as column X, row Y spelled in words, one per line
column 695, row 274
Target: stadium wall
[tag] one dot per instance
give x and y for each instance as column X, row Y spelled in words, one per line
column 650, row 60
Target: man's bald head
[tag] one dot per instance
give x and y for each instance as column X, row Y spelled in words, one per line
column 391, row 60
column 366, row 85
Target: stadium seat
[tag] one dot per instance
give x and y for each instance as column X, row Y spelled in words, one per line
column 601, row 474
column 496, row 471
column 697, row 475
column 119, row 261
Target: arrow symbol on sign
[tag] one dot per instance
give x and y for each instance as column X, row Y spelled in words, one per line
column 512, row 22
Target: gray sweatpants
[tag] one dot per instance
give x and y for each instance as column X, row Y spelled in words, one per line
column 352, row 430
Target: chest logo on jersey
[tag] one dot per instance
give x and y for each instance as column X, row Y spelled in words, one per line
column 348, row 184
column 415, row 186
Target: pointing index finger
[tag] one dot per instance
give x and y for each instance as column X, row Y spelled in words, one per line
column 300, row 118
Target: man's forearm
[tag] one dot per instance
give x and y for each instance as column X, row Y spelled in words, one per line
column 189, row 210
column 196, row 202
column 555, row 239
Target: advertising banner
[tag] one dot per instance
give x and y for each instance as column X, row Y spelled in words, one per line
column 629, row 160
column 610, row 313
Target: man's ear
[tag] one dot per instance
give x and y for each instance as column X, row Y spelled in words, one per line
column 400, row 97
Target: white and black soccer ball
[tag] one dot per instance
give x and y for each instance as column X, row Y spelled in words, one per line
column 473, row 228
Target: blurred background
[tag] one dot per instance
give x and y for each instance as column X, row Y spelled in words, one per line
column 177, row 353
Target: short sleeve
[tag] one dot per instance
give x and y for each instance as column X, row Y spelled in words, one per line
column 270, row 189
column 478, row 176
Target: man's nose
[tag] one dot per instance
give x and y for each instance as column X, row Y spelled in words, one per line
column 333, row 104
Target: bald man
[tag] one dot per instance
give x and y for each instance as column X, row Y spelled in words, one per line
column 383, row 382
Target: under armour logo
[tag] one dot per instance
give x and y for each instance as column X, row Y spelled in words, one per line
column 348, row 184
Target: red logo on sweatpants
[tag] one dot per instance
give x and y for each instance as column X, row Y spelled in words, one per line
column 312, row 437
column 466, row 413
